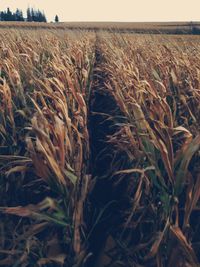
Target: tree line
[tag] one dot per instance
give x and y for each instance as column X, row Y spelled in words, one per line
column 31, row 15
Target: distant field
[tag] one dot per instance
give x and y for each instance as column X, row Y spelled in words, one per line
column 138, row 27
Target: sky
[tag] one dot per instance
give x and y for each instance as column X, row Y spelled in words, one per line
column 112, row 10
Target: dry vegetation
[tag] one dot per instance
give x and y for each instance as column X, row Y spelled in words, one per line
column 43, row 142
column 99, row 149
column 129, row 27
column 155, row 82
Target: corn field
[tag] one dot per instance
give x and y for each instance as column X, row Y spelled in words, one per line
column 99, row 149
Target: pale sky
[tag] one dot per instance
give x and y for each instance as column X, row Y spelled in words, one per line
column 112, row 10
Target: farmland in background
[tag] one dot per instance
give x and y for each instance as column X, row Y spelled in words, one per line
column 99, row 145
column 129, row 27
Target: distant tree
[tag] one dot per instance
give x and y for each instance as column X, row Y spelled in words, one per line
column 2, row 16
column 56, row 18
column 28, row 14
column 33, row 14
column 39, row 16
column 19, row 15
column 8, row 15
column 44, row 17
